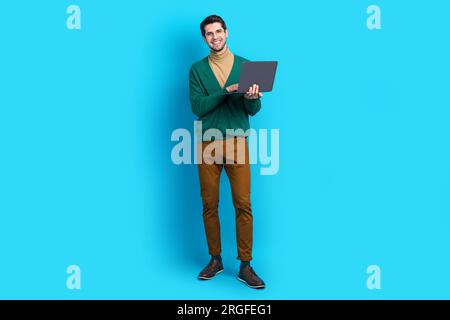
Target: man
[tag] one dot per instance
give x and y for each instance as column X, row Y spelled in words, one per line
column 212, row 82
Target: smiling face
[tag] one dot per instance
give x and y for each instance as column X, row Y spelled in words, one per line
column 215, row 36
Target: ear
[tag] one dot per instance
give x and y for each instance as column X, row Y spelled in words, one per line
column 226, row 33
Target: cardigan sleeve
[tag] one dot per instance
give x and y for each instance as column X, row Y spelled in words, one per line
column 252, row 106
column 201, row 103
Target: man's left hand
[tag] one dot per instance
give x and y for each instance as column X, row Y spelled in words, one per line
column 253, row 92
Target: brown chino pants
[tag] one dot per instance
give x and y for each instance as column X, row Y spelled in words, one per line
column 232, row 154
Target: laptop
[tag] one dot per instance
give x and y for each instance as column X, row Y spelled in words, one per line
column 261, row 73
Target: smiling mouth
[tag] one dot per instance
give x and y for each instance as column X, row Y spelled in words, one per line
column 217, row 42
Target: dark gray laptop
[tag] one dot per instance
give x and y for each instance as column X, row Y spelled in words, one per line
column 261, row 73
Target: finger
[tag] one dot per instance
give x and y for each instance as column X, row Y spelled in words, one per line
column 260, row 94
column 254, row 88
column 257, row 89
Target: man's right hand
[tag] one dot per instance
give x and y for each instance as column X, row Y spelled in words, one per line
column 233, row 87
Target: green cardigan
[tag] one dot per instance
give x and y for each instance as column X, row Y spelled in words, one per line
column 212, row 105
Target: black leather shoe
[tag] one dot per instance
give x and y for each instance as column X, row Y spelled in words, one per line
column 249, row 277
column 214, row 267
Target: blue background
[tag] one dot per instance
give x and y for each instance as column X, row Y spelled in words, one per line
column 86, row 176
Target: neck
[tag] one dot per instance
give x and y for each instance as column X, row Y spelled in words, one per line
column 221, row 53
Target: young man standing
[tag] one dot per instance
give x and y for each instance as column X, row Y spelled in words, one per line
column 211, row 80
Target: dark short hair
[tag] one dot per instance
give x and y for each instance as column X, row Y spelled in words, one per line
column 211, row 19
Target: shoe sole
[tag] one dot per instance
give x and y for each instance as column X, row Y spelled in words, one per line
column 261, row 286
column 209, row 278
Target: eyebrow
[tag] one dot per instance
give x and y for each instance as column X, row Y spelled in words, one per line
column 210, row 32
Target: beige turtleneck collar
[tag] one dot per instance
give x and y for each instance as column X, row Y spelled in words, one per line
column 221, row 64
